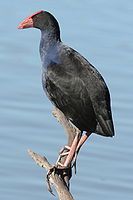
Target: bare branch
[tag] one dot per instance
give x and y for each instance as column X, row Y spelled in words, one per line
column 60, row 178
column 62, row 190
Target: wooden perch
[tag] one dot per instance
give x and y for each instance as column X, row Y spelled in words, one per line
column 60, row 177
column 61, row 188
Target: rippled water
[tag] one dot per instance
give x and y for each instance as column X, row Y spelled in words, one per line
column 102, row 31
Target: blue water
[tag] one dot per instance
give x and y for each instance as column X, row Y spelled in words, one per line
column 103, row 32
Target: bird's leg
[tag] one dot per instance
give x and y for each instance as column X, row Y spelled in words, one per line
column 69, row 152
column 82, row 140
column 72, row 151
column 80, row 143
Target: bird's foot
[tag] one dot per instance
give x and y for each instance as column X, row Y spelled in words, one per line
column 61, row 171
column 71, row 153
column 52, row 170
column 63, row 152
column 59, row 165
column 66, row 147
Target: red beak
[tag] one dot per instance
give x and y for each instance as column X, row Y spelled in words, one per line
column 27, row 23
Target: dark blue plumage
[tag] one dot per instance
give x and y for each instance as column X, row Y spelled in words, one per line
column 71, row 82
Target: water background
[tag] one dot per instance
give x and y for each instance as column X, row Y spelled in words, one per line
column 103, row 32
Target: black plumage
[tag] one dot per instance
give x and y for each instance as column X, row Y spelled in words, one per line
column 71, row 82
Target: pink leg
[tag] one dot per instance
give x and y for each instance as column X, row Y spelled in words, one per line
column 80, row 143
column 76, row 145
column 82, row 140
column 71, row 152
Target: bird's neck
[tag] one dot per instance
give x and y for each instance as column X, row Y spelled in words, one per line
column 49, row 47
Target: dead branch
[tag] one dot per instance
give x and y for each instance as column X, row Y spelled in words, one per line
column 60, row 179
column 61, row 188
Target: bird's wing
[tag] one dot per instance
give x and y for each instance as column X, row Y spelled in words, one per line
column 99, row 95
column 68, row 92
column 76, row 82
column 65, row 87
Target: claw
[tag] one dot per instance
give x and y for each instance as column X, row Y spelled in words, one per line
column 62, row 153
column 60, row 164
column 64, row 148
column 48, row 179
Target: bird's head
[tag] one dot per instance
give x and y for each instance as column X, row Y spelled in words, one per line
column 42, row 20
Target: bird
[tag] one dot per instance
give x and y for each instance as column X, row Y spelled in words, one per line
column 71, row 83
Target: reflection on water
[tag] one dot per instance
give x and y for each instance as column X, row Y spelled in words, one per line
column 102, row 32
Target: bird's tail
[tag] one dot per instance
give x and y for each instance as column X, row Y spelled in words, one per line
column 105, row 127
